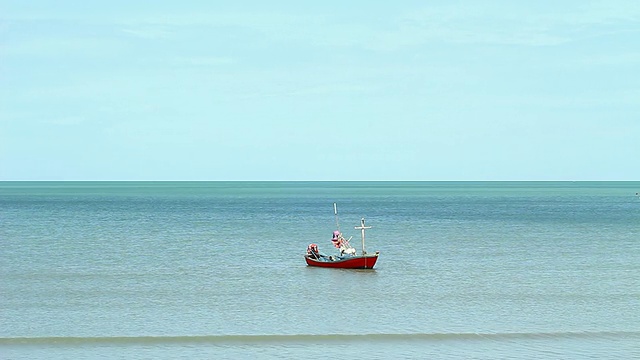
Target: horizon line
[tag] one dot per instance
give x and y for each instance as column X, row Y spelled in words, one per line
column 164, row 180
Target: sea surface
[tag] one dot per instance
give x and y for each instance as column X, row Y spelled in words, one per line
column 215, row 270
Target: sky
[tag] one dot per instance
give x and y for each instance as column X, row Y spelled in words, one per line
column 320, row 90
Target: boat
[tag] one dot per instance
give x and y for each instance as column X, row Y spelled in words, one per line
column 348, row 258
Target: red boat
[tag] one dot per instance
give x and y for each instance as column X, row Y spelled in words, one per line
column 348, row 257
column 349, row 262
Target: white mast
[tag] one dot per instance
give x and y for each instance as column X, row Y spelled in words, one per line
column 362, row 228
column 335, row 211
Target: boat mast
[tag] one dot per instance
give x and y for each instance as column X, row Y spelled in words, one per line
column 335, row 211
column 362, row 228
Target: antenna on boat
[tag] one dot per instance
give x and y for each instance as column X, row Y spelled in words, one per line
column 335, row 211
column 362, row 228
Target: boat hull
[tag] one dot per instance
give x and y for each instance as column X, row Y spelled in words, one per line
column 355, row 262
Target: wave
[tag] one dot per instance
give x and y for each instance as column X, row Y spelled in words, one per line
column 309, row 338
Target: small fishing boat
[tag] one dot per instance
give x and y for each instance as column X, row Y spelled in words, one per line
column 348, row 257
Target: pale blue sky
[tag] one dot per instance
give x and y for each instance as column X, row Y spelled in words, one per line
column 322, row 90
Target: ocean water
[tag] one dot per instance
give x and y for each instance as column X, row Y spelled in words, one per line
column 214, row 270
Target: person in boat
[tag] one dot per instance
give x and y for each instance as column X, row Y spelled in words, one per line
column 312, row 251
column 337, row 239
column 340, row 243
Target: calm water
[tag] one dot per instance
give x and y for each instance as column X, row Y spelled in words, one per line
column 148, row 270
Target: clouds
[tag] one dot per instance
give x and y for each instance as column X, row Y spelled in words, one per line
column 150, row 32
column 497, row 23
column 475, row 23
column 508, row 23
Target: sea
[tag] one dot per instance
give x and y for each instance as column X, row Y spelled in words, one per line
column 215, row 270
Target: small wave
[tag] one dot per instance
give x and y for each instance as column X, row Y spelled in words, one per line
column 307, row 338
